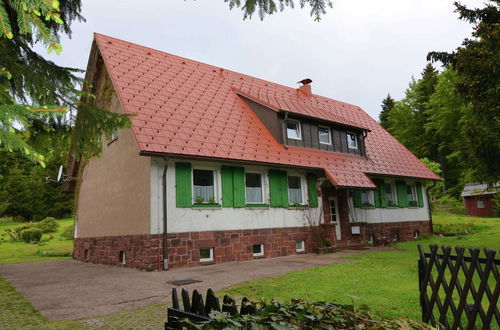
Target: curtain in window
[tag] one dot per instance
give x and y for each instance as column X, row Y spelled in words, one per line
column 254, row 195
column 206, row 192
column 295, row 196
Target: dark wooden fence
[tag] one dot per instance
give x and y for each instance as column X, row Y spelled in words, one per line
column 459, row 291
column 196, row 310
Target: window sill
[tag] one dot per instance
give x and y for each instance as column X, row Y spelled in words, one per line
column 256, row 206
column 206, row 206
column 413, row 207
column 259, row 257
column 297, row 207
column 368, row 207
column 207, row 262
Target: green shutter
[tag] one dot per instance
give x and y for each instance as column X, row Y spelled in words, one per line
column 183, row 187
column 278, row 188
column 401, row 191
column 357, row 198
column 383, row 196
column 419, row 194
column 312, row 190
column 227, row 186
column 239, row 186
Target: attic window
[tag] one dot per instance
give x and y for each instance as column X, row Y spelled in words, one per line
column 293, row 130
column 352, row 141
column 325, row 136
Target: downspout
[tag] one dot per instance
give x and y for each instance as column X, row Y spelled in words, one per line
column 165, row 240
column 429, row 205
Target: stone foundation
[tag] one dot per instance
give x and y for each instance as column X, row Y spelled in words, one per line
column 384, row 233
column 146, row 251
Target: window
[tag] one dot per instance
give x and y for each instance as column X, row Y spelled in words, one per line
column 480, row 204
column 367, row 198
column 293, row 130
column 203, row 186
column 206, row 254
column 416, row 234
column 394, row 237
column 352, row 141
column 122, row 257
column 294, row 190
column 258, row 250
column 300, row 246
column 411, row 192
column 253, row 185
column 370, row 239
column 390, row 194
column 325, row 136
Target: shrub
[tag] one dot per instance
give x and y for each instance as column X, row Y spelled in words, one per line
column 31, row 235
column 455, row 229
column 69, row 232
column 450, row 204
column 301, row 314
column 48, row 225
column 14, row 234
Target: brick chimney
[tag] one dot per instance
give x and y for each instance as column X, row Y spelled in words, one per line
column 305, row 88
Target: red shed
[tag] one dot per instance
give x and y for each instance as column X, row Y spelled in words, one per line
column 478, row 199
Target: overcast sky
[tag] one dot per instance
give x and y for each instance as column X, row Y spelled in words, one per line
column 360, row 51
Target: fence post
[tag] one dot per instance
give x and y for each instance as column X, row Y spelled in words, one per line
column 421, row 287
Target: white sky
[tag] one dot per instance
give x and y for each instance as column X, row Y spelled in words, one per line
column 360, row 51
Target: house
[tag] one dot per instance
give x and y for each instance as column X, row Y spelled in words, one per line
column 479, row 198
column 219, row 166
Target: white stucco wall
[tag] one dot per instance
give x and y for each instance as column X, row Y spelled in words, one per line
column 225, row 218
column 393, row 214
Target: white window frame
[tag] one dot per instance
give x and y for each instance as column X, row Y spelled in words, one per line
column 258, row 254
column 479, row 204
column 303, row 187
column 215, row 172
column 413, row 191
column 262, row 185
column 392, row 185
column 371, row 197
column 329, row 135
column 298, row 127
column 303, row 248
column 211, row 258
column 355, row 140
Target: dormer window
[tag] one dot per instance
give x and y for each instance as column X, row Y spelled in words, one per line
column 325, row 137
column 352, row 141
column 293, row 130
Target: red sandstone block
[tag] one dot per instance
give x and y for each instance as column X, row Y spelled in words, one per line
column 206, row 235
column 195, row 235
column 205, row 243
column 183, row 235
column 220, row 251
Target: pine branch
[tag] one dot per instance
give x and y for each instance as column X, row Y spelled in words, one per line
column 6, row 30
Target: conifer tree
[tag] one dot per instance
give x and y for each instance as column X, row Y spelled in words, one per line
column 268, row 7
column 387, row 105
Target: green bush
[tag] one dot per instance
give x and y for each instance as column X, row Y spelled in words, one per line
column 69, row 232
column 31, row 235
column 450, row 204
column 48, row 225
column 301, row 314
column 455, row 229
column 14, row 234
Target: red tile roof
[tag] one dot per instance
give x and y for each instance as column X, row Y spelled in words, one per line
column 188, row 108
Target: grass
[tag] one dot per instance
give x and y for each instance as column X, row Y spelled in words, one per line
column 56, row 248
column 385, row 281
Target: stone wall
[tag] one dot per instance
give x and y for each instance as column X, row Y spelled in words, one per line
column 383, row 233
column 146, row 251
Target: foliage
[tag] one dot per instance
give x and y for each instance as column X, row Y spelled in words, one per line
column 476, row 63
column 14, row 234
column 451, row 204
column 269, row 7
column 48, row 225
column 199, row 199
column 435, row 167
column 454, row 229
column 31, row 235
column 387, row 105
column 300, row 314
column 69, row 232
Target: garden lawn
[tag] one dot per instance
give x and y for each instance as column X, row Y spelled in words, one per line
column 56, row 248
column 385, row 281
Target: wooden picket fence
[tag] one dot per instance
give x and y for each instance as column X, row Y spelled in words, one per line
column 459, row 291
column 196, row 310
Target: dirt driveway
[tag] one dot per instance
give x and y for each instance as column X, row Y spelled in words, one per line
column 70, row 290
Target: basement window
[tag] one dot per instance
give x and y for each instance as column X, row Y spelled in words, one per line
column 206, row 255
column 121, row 257
column 394, row 237
column 300, row 246
column 325, row 136
column 370, row 239
column 352, row 141
column 416, row 234
column 258, row 250
column 293, row 130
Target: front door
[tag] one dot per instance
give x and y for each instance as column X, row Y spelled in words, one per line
column 334, row 216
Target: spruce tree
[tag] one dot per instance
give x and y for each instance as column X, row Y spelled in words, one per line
column 268, row 7
column 387, row 105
